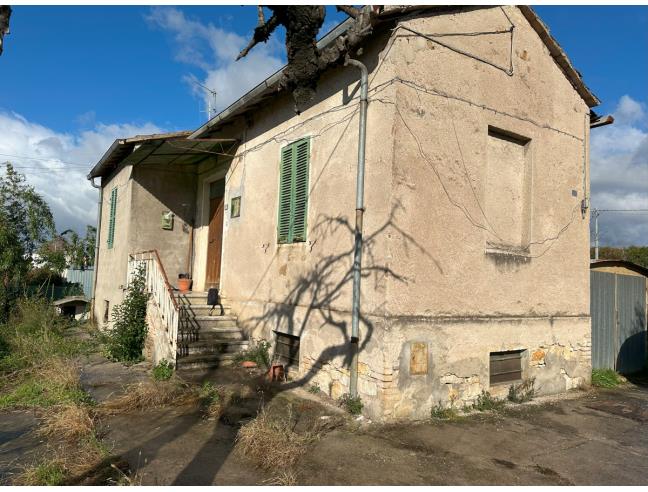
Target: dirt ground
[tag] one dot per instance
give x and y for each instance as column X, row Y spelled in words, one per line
column 589, row 438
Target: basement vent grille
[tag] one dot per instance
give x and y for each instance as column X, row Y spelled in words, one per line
column 287, row 350
column 506, row 367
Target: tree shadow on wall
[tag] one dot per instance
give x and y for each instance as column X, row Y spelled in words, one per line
column 310, row 301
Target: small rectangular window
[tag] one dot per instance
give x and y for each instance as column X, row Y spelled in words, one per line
column 293, row 192
column 111, row 220
column 506, row 367
column 235, row 208
column 287, row 350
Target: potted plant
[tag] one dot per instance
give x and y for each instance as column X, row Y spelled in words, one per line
column 184, row 283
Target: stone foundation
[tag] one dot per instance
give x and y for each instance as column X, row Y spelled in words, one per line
column 409, row 366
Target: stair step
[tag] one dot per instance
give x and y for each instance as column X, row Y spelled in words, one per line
column 206, row 310
column 196, row 298
column 200, row 361
column 211, row 334
column 215, row 346
column 208, row 322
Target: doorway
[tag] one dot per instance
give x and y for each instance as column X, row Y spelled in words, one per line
column 215, row 234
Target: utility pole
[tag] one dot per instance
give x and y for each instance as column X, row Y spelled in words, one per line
column 595, row 214
column 597, row 211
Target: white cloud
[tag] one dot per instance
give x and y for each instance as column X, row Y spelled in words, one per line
column 213, row 50
column 619, row 173
column 65, row 160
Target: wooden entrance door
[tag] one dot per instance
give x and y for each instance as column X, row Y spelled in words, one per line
column 215, row 235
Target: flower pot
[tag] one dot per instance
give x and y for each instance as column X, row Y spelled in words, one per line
column 184, row 285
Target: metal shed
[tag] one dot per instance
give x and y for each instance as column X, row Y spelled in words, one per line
column 618, row 295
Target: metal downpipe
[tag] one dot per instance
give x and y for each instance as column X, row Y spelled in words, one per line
column 97, row 243
column 357, row 246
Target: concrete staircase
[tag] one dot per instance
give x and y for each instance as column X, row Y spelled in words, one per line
column 207, row 338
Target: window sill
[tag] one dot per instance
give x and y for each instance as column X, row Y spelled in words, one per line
column 520, row 254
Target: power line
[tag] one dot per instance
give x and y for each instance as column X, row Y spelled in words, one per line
column 44, row 159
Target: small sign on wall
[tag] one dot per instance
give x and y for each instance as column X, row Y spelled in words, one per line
column 167, row 221
column 418, row 358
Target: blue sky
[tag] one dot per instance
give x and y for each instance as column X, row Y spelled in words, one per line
column 75, row 78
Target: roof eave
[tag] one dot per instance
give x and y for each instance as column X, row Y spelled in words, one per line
column 271, row 83
column 559, row 56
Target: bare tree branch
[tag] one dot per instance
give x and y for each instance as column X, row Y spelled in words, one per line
column 261, row 33
column 349, row 10
column 5, row 14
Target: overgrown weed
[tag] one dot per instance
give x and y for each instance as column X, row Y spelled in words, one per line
column 270, row 440
column 605, row 378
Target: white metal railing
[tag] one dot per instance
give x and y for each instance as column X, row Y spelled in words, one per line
column 158, row 286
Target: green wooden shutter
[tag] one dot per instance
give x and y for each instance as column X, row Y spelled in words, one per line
column 285, row 196
column 293, row 192
column 111, row 221
column 301, row 191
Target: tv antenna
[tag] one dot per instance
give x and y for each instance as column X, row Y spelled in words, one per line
column 211, row 100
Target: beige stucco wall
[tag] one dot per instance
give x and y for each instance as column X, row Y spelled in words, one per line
column 432, row 273
column 455, row 291
column 158, row 189
column 113, row 263
column 144, row 193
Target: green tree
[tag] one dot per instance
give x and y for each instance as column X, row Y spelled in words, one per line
column 89, row 244
column 27, row 212
column 635, row 254
column 13, row 264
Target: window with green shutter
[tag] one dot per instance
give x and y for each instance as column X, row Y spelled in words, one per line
column 111, row 221
column 293, row 192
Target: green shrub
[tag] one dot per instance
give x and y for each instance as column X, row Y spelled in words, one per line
column 519, row 393
column 486, row 402
column 260, row 354
column 163, row 371
column 352, row 404
column 605, row 378
column 314, row 388
column 125, row 340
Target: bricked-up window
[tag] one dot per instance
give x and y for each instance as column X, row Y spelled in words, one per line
column 508, row 190
column 287, row 350
column 106, row 314
column 506, row 367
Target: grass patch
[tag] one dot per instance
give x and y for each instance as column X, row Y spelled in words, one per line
column 55, row 382
column 605, row 378
column 314, row 389
column 50, row 472
column 150, row 394
column 439, row 412
column 163, row 371
column 69, row 423
column 271, row 442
